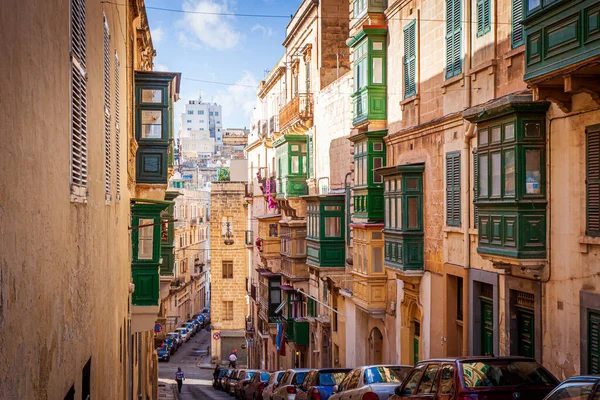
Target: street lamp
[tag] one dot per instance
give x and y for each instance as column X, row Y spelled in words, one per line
column 228, row 235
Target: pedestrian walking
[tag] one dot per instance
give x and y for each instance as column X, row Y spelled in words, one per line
column 179, row 377
column 233, row 358
column 216, row 375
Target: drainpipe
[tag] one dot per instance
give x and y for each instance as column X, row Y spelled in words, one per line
column 348, row 201
column 469, row 134
column 139, row 360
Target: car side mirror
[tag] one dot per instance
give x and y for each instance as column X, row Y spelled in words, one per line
column 335, row 388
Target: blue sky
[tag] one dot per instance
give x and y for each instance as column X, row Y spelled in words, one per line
column 221, row 48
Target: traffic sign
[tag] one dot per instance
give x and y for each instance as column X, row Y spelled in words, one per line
column 157, row 328
column 216, row 336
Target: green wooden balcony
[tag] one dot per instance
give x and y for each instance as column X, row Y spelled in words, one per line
column 325, row 220
column 561, row 36
column 297, row 332
column 291, row 165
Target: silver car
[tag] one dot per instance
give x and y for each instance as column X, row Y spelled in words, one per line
column 286, row 390
column 371, row 382
column 272, row 384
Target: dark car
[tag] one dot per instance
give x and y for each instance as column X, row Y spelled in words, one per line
column 234, row 381
column 229, row 376
column 171, row 342
column 493, row 378
column 224, row 379
column 318, row 384
column 164, row 354
column 577, row 388
column 243, row 380
column 256, row 385
column 219, row 378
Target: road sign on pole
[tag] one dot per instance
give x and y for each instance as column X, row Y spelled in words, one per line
column 216, row 336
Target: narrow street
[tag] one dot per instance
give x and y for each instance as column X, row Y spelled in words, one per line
column 198, row 382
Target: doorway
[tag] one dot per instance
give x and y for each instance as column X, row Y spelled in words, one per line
column 375, row 347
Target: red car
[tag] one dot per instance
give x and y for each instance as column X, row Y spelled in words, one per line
column 477, row 378
column 254, row 389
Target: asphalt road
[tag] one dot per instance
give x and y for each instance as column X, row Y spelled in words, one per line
column 198, row 382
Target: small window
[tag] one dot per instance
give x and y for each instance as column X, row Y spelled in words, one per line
column 152, row 124
column 227, row 269
column 483, row 137
column 154, row 96
column 228, row 310
column 377, row 146
column 496, row 174
column 332, row 227
column 413, row 220
column 533, row 172
column 377, row 163
column 509, row 132
column 509, row 173
column 483, row 176
column 332, row 208
column 377, row 254
column 483, row 17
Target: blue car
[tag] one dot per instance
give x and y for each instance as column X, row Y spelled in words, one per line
column 163, row 352
column 200, row 319
column 319, row 383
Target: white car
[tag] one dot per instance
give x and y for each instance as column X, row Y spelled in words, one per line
column 286, row 390
column 371, row 382
column 184, row 333
column 272, row 384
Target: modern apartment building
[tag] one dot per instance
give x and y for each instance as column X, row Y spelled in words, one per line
column 201, row 126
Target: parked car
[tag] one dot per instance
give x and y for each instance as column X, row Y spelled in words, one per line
column 235, row 380
column 577, row 388
column 286, row 390
column 164, row 353
column 223, row 381
column 171, row 342
column 255, row 387
column 200, row 319
column 319, row 383
column 196, row 324
column 371, row 382
column 243, row 381
column 272, row 384
column 190, row 327
column 219, row 378
column 228, row 379
column 184, row 333
column 497, row 378
column 177, row 337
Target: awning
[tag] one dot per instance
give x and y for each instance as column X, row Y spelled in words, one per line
column 287, row 288
column 280, row 307
column 267, row 273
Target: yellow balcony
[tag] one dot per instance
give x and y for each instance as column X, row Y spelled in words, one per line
column 294, row 269
column 268, row 242
column 370, row 293
column 297, row 113
column 369, row 277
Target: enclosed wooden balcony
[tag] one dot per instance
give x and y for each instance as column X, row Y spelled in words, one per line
column 268, row 242
column 370, row 293
column 297, row 114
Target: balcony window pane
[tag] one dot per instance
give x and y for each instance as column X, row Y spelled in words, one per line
column 364, row 171
column 332, row 208
column 357, row 258
column 412, row 184
column 413, row 219
column 483, row 176
column 509, row 173
column 533, row 174
column 532, row 4
column 301, row 247
column 392, row 208
column 496, row 136
column 377, row 163
column 483, row 138
column 151, row 124
column 365, row 260
column 145, row 239
column 377, row 260
column 377, row 70
column 295, row 165
column 152, row 96
column 509, row 132
column 332, row 227
column 496, row 172
column 399, row 212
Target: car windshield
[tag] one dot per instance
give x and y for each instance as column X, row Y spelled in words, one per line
column 163, row 348
column 250, row 374
column 331, row 378
column 496, row 373
column 264, row 376
column 385, row 374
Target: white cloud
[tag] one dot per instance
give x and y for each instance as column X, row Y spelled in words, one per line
column 211, row 28
column 266, row 31
column 158, row 34
column 160, row 67
column 238, row 101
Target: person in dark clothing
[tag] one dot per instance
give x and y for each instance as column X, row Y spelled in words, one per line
column 179, row 377
column 216, row 375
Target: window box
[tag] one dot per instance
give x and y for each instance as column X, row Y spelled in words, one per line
column 369, row 155
column 511, row 182
column 370, row 75
column 291, row 165
column 403, row 226
column 326, row 227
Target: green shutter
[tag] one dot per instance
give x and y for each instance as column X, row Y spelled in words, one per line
column 453, row 38
column 475, row 188
column 483, row 17
column 410, row 60
column 516, row 34
column 593, row 181
column 453, row 189
column 593, row 342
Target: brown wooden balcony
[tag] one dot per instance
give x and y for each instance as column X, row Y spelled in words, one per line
column 268, row 242
column 273, row 125
column 294, row 269
column 298, row 113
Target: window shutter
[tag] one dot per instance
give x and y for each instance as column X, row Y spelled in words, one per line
column 79, row 173
column 107, row 130
column 410, row 60
column 593, row 182
column 483, row 17
column 453, row 212
column 517, row 28
column 479, row 17
column 593, row 343
column 117, row 128
column 453, row 38
column 475, row 188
